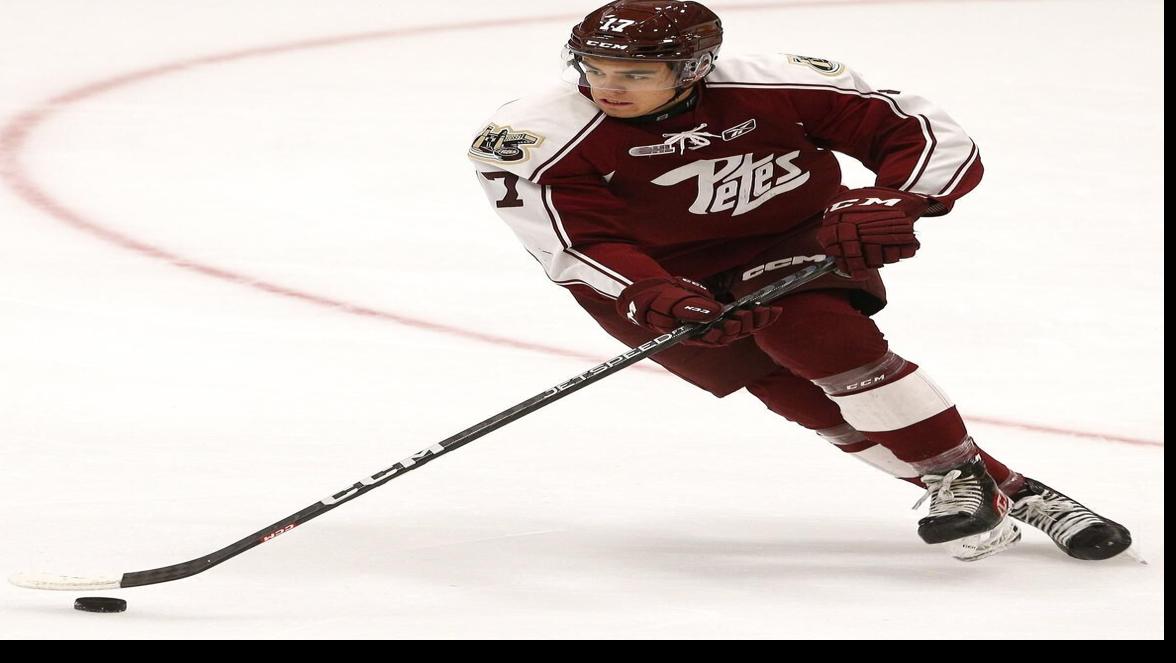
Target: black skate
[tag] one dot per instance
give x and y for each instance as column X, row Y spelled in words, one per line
column 965, row 502
column 1078, row 531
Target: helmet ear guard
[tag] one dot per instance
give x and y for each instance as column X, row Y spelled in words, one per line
column 696, row 69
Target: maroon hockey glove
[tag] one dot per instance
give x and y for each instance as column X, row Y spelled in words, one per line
column 867, row 228
column 664, row 304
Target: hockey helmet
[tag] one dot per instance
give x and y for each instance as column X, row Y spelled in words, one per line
column 685, row 35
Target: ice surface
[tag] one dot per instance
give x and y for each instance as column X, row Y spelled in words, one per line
column 162, row 393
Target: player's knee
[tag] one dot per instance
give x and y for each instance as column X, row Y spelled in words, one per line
column 820, row 333
column 797, row 400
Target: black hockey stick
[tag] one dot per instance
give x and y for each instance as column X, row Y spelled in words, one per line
column 632, row 356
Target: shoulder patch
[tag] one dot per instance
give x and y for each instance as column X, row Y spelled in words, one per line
column 819, row 65
column 504, row 144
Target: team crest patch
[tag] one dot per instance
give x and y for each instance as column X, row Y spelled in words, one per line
column 820, row 65
column 499, row 144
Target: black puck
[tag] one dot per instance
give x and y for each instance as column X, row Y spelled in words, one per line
column 100, row 604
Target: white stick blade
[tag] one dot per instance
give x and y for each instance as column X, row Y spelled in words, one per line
column 64, row 583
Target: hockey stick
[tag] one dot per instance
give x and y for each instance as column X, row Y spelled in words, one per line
column 629, row 357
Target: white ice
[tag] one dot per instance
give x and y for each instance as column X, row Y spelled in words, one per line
column 150, row 413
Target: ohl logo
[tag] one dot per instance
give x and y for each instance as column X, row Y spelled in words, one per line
column 739, row 183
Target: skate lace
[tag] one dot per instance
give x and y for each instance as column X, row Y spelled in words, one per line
column 950, row 495
column 1059, row 517
column 696, row 137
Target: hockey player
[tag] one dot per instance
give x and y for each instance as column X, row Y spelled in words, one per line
column 663, row 182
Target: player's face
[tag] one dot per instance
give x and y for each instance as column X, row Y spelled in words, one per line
column 627, row 88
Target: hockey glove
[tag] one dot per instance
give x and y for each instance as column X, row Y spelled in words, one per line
column 867, row 228
column 664, row 304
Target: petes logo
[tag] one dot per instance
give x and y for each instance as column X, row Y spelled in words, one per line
column 696, row 137
column 739, row 183
column 497, row 144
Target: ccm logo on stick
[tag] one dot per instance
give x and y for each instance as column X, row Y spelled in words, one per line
column 777, row 264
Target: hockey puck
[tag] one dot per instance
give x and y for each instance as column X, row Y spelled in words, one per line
column 100, row 604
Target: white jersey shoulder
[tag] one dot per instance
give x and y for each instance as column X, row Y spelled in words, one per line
column 947, row 151
column 528, row 135
column 782, row 69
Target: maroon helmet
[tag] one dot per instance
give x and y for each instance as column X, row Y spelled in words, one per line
column 683, row 34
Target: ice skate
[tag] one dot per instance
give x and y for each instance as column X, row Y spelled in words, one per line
column 965, row 502
column 1078, row 531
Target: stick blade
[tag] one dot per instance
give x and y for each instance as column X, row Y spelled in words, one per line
column 64, row 583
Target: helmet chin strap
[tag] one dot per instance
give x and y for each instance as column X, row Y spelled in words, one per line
column 678, row 91
column 680, row 88
column 674, row 106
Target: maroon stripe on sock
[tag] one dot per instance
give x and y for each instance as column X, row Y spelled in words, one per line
column 856, row 446
column 926, row 439
column 1002, row 474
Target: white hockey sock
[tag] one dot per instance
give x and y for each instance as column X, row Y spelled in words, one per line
column 875, row 454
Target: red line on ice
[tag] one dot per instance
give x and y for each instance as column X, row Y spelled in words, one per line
column 16, row 132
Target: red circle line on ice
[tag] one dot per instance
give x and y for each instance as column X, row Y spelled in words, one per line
column 15, row 134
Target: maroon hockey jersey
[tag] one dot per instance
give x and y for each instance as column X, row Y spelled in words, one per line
column 602, row 202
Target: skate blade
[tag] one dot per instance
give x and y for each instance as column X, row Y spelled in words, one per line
column 986, row 544
column 1135, row 555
